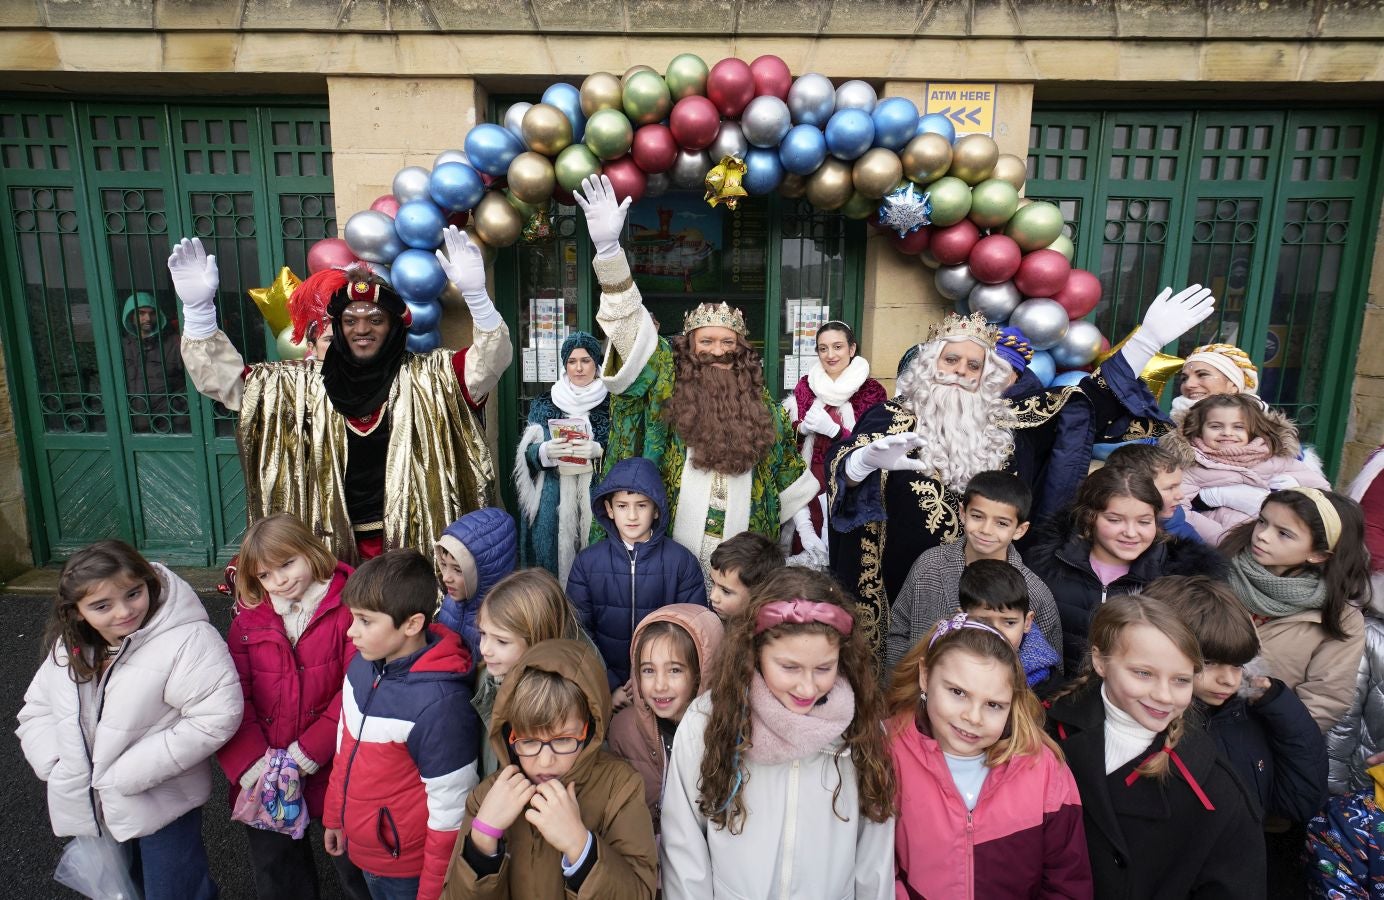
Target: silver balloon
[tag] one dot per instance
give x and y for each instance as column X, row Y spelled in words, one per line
column 995, row 301
column 370, row 235
column 812, row 99
column 411, row 184
column 690, row 168
column 730, row 141
column 447, row 156
column 655, row 185
column 514, row 119
column 1043, row 321
column 856, row 94
column 955, row 282
column 1078, row 347
column 765, row 121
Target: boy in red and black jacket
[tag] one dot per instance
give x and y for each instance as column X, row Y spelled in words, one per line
column 407, row 739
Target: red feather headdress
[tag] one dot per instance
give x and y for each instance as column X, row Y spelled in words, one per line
column 311, row 299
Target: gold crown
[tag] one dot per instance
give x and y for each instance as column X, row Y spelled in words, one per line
column 721, row 314
column 973, row 326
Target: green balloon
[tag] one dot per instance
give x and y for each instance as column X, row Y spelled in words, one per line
column 1035, row 226
column 950, row 198
column 1063, row 245
column 993, row 203
column 609, row 133
column 686, row 76
column 859, row 206
column 573, row 164
column 646, row 98
column 525, row 209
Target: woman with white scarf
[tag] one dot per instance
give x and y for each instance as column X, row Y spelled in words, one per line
column 824, row 407
column 555, row 475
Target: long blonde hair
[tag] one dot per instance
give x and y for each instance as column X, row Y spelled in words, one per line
column 270, row 542
column 530, row 604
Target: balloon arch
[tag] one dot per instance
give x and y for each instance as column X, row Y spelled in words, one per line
column 740, row 130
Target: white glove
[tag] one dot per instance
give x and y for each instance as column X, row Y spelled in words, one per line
column 195, row 278
column 1168, row 318
column 254, row 774
column 889, row 452
column 816, row 419
column 585, row 450
column 1245, row 498
column 1283, row 482
column 550, row 451
column 465, row 268
column 812, row 541
column 605, row 217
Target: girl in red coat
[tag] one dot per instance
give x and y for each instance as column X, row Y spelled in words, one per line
column 987, row 808
column 288, row 640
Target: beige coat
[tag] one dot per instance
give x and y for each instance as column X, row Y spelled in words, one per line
column 1321, row 671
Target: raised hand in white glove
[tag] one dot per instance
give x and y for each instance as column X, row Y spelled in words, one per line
column 1168, row 317
column 812, row 541
column 195, row 278
column 465, row 268
column 549, row 452
column 1283, row 482
column 889, row 452
column 817, row 420
column 1245, row 498
column 605, row 216
column 585, row 450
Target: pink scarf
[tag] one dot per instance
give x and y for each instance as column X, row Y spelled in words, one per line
column 1246, row 457
column 779, row 736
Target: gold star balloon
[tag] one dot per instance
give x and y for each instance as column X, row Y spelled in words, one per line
column 1156, row 373
column 723, row 182
column 273, row 300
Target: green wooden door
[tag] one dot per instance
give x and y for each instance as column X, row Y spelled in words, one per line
column 114, row 440
column 1274, row 210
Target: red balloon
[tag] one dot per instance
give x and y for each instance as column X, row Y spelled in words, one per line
column 995, row 258
column 459, row 220
column 694, row 122
column 771, row 77
column 914, row 242
column 952, row 244
column 1080, row 294
column 730, row 85
column 627, row 178
column 330, row 253
column 654, row 149
column 386, row 204
column 873, row 221
column 1042, row 273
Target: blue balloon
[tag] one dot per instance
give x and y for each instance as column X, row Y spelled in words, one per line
column 849, row 133
column 1043, row 366
column 933, row 123
column 419, row 223
column 803, row 149
column 382, row 271
column 763, row 171
column 962, row 305
column 568, row 99
column 896, row 120
column 423, row 343
column 491, row 148
column 456, row 187
column 417, row 275
column 426, row 314
column 1068, row 378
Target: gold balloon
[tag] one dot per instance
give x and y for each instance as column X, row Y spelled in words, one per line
column 723, row 182
column 926, row 158
column 497, row 221
column 531, row 177
column 793, row 186
column 273, row 300
column 973, row 158
column 877, row 172
column 1157, row 372
column 624, row 79
column 488, row 252
column 830, row 186
column 547, row 129
column 1011, row 169
column 600, row 90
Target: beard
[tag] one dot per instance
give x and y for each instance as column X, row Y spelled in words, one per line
column 964, row 423
column 719, row 413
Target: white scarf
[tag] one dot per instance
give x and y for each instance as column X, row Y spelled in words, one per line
column 839, row 390
column 1124, row 737
column 578, row 401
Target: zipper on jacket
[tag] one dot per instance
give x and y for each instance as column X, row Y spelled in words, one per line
column 790, row 832
column 350, row 760
column 87, row 745
column 634, row 611
column 970, row 854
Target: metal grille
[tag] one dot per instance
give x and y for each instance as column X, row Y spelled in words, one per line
column 35, row 141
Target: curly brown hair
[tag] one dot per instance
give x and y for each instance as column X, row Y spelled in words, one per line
column 1257, row 423
column 720, row 413
column 724, row 771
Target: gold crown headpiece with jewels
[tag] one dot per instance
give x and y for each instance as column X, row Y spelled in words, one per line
column 721, row 314
column 973, row 326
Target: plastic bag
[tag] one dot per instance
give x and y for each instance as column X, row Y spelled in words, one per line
column 97, row 867
column 276, row 802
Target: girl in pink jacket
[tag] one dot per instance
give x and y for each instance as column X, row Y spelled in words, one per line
column 1236, row 455
column 987, row 807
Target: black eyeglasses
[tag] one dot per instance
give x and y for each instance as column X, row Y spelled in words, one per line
column 563, row 745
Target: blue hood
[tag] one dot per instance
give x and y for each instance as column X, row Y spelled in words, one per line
column 493, row 540
column 634, row 474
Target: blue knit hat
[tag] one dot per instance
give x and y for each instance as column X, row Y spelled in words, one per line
column 584, row 340
column 1013, row 347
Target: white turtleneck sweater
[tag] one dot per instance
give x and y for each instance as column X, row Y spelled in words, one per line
column 298, row 613
column 1124, row 737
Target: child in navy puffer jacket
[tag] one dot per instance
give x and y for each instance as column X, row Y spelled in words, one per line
column 615, row 583
column 473, row 554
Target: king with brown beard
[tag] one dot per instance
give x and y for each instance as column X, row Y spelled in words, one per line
column 696, row 405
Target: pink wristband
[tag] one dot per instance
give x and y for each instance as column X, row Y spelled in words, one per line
column 487, row 830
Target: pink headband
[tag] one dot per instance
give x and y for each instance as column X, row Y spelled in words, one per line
column 958, row 622
column 803, row 612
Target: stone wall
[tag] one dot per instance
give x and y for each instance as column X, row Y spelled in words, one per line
column 15, row 552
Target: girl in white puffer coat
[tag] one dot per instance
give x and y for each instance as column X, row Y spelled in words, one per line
column 135, row 694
